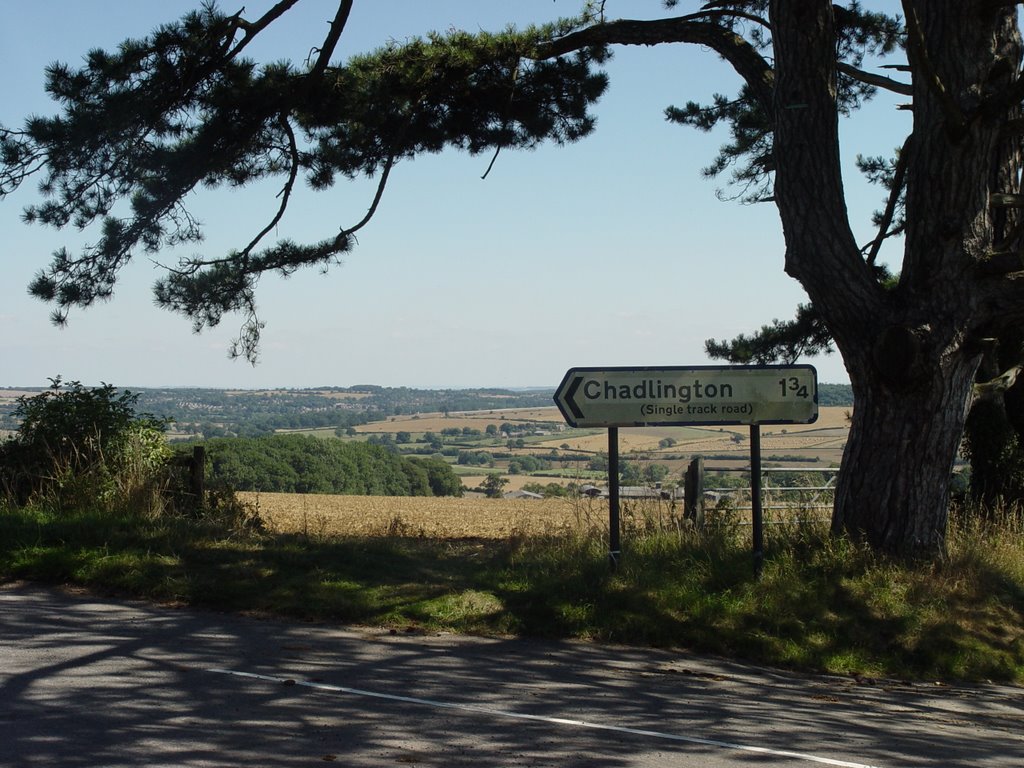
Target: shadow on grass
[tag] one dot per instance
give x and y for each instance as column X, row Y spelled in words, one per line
column 813, row 608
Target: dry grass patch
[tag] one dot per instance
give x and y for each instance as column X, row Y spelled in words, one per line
column 517, row 482
column 829, row 432
column 448, row 517
column 435, row 422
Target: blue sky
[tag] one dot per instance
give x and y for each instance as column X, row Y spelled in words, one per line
column 611, row 251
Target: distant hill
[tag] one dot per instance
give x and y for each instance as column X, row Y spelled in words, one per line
column 210, row 413
column 250, row 413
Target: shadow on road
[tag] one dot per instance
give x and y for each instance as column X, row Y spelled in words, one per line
column 89, row 681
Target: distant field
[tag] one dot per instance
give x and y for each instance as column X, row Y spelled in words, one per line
column 435, row 422
column 817, row 444
column 10, row 395
column 821, row 441
column 448, row 517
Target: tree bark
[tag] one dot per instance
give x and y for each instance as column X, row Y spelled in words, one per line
column 893, row 487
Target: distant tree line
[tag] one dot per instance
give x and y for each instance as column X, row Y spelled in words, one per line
column 241, row 413
column 216, row 413
column 300, row 464
column 835, row 395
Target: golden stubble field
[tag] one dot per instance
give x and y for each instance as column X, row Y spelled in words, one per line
column 445, row 517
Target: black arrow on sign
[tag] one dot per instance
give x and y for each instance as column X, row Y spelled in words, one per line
column 576, row 412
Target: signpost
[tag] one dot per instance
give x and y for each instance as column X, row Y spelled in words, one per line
column 678, row 396
column 688, row 396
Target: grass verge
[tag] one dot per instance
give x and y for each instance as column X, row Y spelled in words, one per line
column 821, row 605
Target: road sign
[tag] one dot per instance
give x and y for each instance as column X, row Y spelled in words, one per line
column 694, row 395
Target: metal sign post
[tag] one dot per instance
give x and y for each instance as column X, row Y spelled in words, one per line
column 614, row 526
column 757, row 522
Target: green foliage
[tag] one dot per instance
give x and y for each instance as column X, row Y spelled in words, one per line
column 549, row 491
column 149, row 123
column 493, row 485
column 475, row 458
column 440, row 477
column 835, row 395
column 780, row 342
column 71, row 419
column 639, row 473
column 80, row 446
column 300, row 464
column 521, row 465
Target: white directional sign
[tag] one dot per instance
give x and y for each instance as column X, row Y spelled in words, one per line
column 695, row 395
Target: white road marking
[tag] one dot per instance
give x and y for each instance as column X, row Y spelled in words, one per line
column 545, row 719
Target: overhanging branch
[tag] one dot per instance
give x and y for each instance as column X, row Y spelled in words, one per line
column 744, row 58
column 331, row 42
column 253, row 28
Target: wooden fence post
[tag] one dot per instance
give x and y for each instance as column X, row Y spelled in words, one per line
column 197, row 475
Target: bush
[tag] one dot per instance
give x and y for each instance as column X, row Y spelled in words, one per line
column 442, row 478
column 78, row 447
column 524, row 464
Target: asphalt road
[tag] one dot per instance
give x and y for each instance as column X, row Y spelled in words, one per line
column 92, row 681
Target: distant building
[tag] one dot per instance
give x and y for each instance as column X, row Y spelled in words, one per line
column 520, row 494
column 634, row 492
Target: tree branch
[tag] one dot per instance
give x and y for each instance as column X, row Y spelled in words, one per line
column 253, row 28
column 1006, row 200
column 26, row 160
column 821, row 249
column 384, row 174
column 886, row 83
column 286, row 191
column 744, row 58
column 331, row 42
column 917, row 52
column 991, row 389
column 898, row 179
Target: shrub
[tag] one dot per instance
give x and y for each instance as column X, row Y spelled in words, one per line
column 77, row 446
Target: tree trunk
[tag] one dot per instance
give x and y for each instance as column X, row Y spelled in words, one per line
column 911, row 350
column 893, row 487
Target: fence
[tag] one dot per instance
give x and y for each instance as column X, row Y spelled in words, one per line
column 774, row 497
